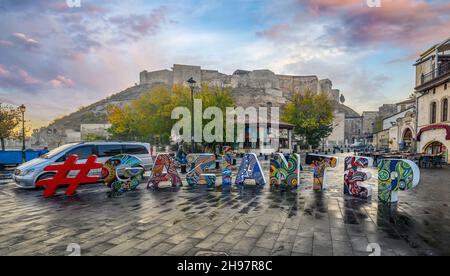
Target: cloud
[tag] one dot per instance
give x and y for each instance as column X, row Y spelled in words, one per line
column 3, row 71
column 61, row 81
column 406, row 23
column 25, row 41
column 136, row 26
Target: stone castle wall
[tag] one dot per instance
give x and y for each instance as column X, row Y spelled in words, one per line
column 261, row 81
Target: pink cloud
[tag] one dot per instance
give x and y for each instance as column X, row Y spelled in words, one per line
column 138, row 25
column 25, row 77
column 61, row 82
column 414, row 24
column 6, row 43
column 3, row 71
column 276, row 31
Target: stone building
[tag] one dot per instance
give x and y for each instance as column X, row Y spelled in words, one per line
column 96, row 131
column 400, row 126
column 433, row 95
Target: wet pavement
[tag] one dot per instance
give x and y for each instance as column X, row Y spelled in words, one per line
column 250, row 222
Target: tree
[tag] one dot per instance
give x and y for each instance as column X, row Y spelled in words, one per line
column 148, row 118
column 10, row 118
column 312, row 116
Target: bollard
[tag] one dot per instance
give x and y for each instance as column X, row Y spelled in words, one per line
column 217, row 164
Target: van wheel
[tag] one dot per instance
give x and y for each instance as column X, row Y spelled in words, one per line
column 43, row 177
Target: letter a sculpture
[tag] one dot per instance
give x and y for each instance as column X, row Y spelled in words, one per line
column 199, row 176
column 396, row 175
column 164, row 162
column 250, row 169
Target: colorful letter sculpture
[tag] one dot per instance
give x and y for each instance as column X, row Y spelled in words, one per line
column 320, row 163
column 122, row 173
column 227, row 168
column 199, row 175
column 285, row 173
column 164, row 170
column 395, row 175
column 354, row 178
column 62, row 171
column 250, row 169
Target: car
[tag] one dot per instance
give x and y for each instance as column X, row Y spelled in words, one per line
column 358, row 145
column 28, row 174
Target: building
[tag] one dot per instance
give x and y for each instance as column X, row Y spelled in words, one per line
column 368, row 125
column 433, row 95
column 401, row 126
column 95, row 131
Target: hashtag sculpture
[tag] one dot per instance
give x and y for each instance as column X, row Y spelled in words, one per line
column 63, row 170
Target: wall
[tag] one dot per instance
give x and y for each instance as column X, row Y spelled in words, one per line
column 425, row 101
column 181, row 73
column 387, row 122
column 369, row 118
column 337, row 137
column 353, row 129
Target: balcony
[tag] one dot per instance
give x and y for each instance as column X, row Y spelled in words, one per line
column 434, row 77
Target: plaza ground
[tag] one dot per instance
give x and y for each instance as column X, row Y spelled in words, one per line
column 250, row 222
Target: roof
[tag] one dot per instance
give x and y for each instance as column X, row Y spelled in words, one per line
column 443, row 46
column 410, row 100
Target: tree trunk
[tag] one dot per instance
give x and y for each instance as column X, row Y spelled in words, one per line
column 3, row 143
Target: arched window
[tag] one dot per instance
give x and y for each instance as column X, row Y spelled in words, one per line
column 445, row 110
column 433, row 111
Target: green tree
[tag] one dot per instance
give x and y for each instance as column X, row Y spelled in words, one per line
column 312, row 116
column 148, row 118
column 10, row 118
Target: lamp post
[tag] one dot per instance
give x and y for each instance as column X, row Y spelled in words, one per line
column 192, row 84
column 22, row 109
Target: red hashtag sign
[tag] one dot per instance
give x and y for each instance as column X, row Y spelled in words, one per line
column 63, row 170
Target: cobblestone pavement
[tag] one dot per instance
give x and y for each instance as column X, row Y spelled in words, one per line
column 250, row 222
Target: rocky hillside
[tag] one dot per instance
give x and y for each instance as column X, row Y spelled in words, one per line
column 96, row 112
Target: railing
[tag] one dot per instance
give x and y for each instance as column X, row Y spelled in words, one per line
column 438, row 72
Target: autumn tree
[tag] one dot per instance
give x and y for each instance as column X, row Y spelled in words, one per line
column 148, row 118
column 10, row 118
column 311, row 114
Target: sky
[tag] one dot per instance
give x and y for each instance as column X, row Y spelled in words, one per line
column 55, row 58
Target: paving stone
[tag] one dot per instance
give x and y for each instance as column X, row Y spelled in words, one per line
column 186, row 222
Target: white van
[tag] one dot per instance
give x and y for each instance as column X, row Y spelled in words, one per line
column 31, row 172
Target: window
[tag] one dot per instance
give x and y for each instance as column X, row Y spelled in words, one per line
column 433, row 111
column 445, row 110
column 109, row 150
column 445, row 86
column 83, row 152
column 135, row 150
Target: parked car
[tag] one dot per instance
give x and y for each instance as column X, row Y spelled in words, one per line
column 358, row 146
column 31, row 172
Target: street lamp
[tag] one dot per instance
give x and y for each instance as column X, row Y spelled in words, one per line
column 22, row 109
column 192, row 84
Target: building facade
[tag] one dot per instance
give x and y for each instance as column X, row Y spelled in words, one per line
column 432, row 88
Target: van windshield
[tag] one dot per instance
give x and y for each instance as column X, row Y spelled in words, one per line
column 56, row 151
